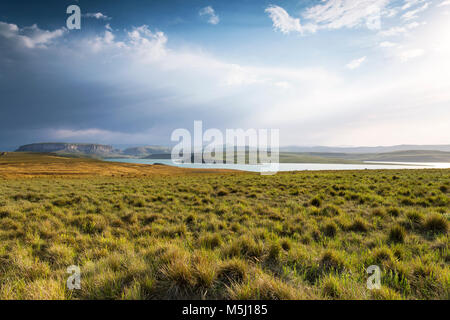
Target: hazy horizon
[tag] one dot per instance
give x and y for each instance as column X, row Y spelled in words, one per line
column 170, row 144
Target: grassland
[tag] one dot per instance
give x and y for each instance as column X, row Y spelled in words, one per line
column 349, row 158
column 23, row 164
column 156, row 232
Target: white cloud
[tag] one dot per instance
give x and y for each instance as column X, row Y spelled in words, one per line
column 395, row 31
column 147, row 44
column 336, row 14
column 97, row 15
column 283, row 21
column 147, row 78
column 410, row 3
column 144, row 47
column 237, row 76
column 8, row 30
column 354, row 64
column 413, row 14
column 209, row 12
column 142, row 43
column 387, row 44
column 29, row 37
column 98, row 43
column 407, row 55
column 390, row 12
column 444, row 3
column 284, row 85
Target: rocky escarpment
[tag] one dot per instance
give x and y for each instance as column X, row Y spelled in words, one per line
column 76, row 148
column 146, row 151
column 94, row 150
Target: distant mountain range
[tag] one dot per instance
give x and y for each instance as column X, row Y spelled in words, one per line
column 93, row 150
column 146, row 151
column 70, row 148
column 401, row 153
column 380, row 149
column 396, row 156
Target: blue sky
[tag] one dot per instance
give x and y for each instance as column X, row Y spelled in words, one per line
column 333, row 72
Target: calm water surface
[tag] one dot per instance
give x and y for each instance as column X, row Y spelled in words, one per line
column 296, row 166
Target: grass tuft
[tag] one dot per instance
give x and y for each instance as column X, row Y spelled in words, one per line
column 397, row 234
column 435, row 223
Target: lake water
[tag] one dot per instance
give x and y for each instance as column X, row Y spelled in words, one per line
column 295, row 166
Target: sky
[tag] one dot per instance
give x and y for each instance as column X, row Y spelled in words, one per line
column 323, row 72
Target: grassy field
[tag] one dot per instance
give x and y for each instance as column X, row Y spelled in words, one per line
column 23, row 165
column 156, row 232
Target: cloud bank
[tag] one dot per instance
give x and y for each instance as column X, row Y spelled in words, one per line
column 348, row 14
column 133, row 86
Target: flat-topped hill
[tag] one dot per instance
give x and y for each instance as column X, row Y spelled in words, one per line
column 75, row 148
column 24, row 164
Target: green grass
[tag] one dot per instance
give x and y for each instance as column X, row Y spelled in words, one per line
column 305, row 235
